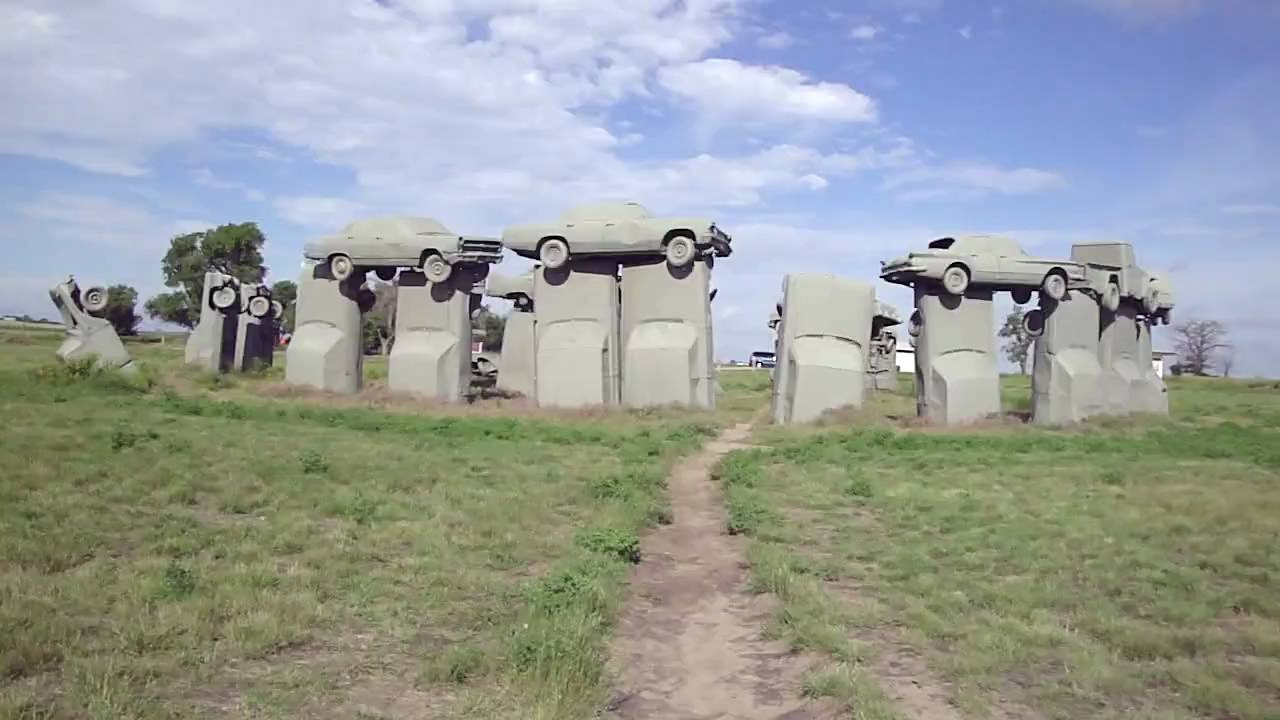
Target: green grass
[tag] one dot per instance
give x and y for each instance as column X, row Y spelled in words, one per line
column 1126, row 568
column 178, row 544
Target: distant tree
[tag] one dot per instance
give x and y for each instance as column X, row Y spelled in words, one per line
column 122, row 302
column 380, row 321
column 234, row 249
column 492, row 325
column 1198, row 343
column 286, row 292
column 1018, row 342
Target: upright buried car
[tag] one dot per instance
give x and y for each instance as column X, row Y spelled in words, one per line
column 617, row 229
column 990, row 262
column 385, row 244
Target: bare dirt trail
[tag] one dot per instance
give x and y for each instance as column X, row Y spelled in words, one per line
column 689, row 642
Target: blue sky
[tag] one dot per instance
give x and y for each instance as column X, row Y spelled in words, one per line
column 823, row 136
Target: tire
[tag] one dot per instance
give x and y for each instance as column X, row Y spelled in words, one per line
column 94, row 299
column 680, row 251
column 1111, row 298
column 914, row 324
column 385, row 274
column 341, row 267
column 1054, row 286
column 277, row 309
column 1151, row 302
column 1033, row 323
column 1022, row 296
column 553, row 253
column 436, row 269
column 955, row 280
column 259, row 306
column 366, row 299
column 223, row 297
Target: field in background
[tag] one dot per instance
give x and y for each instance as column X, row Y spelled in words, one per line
column 184, row 545
column 1124, row 569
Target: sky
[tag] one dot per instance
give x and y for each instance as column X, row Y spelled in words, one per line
column 824, row 136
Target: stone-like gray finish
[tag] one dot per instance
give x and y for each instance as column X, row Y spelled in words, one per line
column 577, row 337
column 822, row 349
column 1118, row 357
column 516, row 367
column 325, row 351
column 1066, row 379
column 882, row 360
column 666, row 335
column 255, row 328
column 432, row 353
column 956, row 376
column 212, row 342
column 87, row 335
column 1150, row 395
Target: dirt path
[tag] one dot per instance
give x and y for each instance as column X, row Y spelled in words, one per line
column 689, row 641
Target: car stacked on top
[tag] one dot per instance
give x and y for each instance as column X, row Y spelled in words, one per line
column 387, row 244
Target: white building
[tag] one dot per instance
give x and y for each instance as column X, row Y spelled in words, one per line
column 1160, row 361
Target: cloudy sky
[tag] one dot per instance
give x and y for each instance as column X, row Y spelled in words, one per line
column 822, row 135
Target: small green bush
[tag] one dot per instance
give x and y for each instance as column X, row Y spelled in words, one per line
column 177, row 581
column 611, row 542
column 313, row 463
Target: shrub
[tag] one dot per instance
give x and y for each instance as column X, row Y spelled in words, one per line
column 610, row 542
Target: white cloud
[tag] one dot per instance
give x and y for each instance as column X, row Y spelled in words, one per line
column 965, row 32
column 776, row 41
column 926, row 182
column 93, row 219
column 207, row 178
column 327, row 213
column 735, row 92
column 865, row 32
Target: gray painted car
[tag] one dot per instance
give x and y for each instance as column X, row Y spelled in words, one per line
column 617, row 229
column 1113, row 274
column 989, row 262
column 1162, row 292
column 387, row 243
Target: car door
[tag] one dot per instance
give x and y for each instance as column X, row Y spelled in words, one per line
column 586, row 235
column 621, row 235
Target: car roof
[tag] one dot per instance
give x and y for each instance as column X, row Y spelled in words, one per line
column 978, row 244
column 607, row 211
column 391, row 226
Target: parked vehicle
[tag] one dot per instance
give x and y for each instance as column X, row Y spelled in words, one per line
column 990, row 262
column 617, row 229
column 388, row 243
column 762, row 359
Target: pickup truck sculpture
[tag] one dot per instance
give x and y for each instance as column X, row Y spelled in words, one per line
column 617, row 229
column 987, row 261
column 1113, row 273
column 386, row 244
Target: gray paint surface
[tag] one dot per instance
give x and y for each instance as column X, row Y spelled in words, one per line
column 516, row 366
column 325, row 350
column 432, row 353
column 882, row 359
column 822, row 343
column 212, row 342
column 255, row 328
column 666, row 335
column 1150, row 395
column 87, row 336
column 956, row 376
column 1066, row 378
column 1118, row 357
column 577, row 335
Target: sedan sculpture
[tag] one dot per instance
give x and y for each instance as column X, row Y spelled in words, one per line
column 987, row 261
column 386, row 244
column 617, row 229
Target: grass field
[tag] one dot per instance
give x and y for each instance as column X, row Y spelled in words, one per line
column 187, row 545
column 1129, row 568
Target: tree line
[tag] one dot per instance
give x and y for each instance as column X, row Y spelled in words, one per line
column 235, row 249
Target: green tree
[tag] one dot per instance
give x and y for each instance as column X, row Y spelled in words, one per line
column 492, row 325
column 1019, row 341
column 286, row 292
column 380, row 321
column 234, row 249
column 121, row 310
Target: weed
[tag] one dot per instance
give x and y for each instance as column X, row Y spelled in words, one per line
column 313, row 462
column 621, row 545
column 858, row 485
column 177, row 581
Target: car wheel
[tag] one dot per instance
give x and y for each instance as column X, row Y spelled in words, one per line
column 914, row 324
column 1151, row 302
column 1033, row 323
column 94, row 299
column 680, row 251
column 1022, row 296
column 277, row 309
column 365, row 299
column 223, row 297
column 385, row 274
column 341, row 267
column 553, row 253
column 259, row 306
column 1054, row 286
column 1111, row 298
column 955, row 280
column 437, row 269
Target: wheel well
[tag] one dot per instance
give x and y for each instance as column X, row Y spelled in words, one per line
column 962, row 266
column 677, row 233
column 548, row 238
column 422, row 260
column 1057, row 271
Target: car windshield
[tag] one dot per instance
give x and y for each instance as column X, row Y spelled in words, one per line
column 942, row 243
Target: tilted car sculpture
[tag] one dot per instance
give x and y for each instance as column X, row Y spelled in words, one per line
column 1113, row 273
column 386, row 244
column 617, row 229
column 990, row 262
column 1162, row 294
